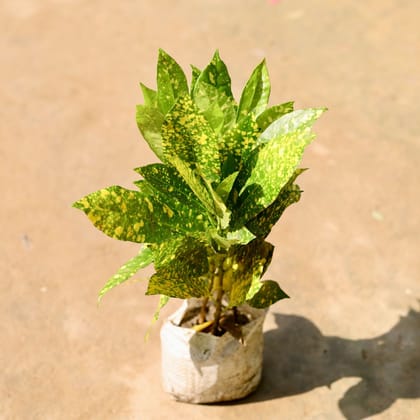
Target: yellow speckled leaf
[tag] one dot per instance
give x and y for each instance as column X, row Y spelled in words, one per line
column 142, row 260
column 184, row 274
column 262, row 223
column 135, row 216
column 267, row 292
column 247, row 262
column 187, row 134
column 272, row 164
column 254, row 98
column 171, row 82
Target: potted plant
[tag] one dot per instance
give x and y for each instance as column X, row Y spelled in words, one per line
column 226, row 174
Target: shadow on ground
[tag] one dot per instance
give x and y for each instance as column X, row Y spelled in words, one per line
column 299, row 357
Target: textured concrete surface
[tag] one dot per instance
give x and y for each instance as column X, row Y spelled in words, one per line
column 347, row 345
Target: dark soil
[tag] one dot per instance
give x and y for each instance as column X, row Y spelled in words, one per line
column 231, row 321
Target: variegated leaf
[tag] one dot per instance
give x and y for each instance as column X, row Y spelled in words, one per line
column 187, row 134
column 218, row 109
column 290, row 122
column 247, row 262
column 184, row 275
column 141, row 260
column 163, row 300
column 217, row 75
column 213, row 96
column 224, row 188
column 268, row 293
column 171, row 82
column 172, row 186
column 237, row 144
column 195, row 73
column 263, row 222
column 272, row 114
column 149, row 121
column 196, row 183
column 149, row 95
column 135, row 216
column 269, row 168
column 254, row 98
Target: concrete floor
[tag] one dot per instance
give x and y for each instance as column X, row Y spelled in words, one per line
column 347, row 345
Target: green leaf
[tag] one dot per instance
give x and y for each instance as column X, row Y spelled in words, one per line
column 238, row 143
column 219, row 206
column 136, row 216
column 163, row 300
column 149, row 95
column 297, row 120
column 213, row 96
column 183, row 276
column 149, row 121
column 216, row 74
column 167, row 180
column 165, row 252
column 218, row 109
column 272, row 114
column 241, row 236
column 247, row 262
column 271, row 165
column 263, row 222
column 224, row 188
column 195, row 75
column 171, row 82
column 268, row 292
column 142, row 260
column 256, row 93
column 196, row 184
column 187, row 134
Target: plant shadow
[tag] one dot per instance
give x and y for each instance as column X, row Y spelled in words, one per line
column 299, row 358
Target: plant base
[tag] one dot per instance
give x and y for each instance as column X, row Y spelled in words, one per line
column 202, row 368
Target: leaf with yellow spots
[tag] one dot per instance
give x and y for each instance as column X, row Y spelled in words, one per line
column 196, row 183
column 149, row 95
column 184, row 275
column 224, row 188
column 302, row 119
column 218, row 109
column 216, row 74
column 174, row 192
column 171, row 82
column 237, row 144
column 187, row 135
column 271, row 165
column 268, row 293
column 149, row 121
column 254, row 98
column 142, row 260
column 246, row 263
column 134, row 216
column 272, row 114
column 163, row 300
column 166, row 179
column 213, row 96
column 195, row 74
column 263, row 222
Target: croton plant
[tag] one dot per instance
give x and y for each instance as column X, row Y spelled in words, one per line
column 226, row 174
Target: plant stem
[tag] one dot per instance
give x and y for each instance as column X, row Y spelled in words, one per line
column 235, row 314
column 218, row 303
column 203, row 311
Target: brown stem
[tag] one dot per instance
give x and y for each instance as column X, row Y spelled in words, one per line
column 218, row 303
column 235, row 314
column 203, row 311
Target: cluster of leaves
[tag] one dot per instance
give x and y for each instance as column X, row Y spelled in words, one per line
column 227, row 174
